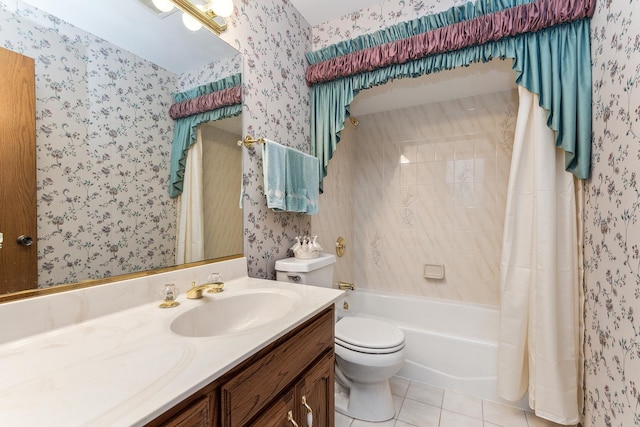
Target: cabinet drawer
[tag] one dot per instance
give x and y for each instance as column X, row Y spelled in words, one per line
column 244, row 395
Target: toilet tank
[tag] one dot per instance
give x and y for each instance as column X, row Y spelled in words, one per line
column 315, row 271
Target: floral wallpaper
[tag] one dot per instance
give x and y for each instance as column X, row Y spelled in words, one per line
column 273, row 38
column 612, row 215
column 210, row 73
column 384, row 14
column 103, row 144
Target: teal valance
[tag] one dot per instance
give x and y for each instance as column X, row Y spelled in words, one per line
column 214, row 101
column 553, row 61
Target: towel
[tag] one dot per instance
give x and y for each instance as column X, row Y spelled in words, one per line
column 302, row 182
column 274, row 159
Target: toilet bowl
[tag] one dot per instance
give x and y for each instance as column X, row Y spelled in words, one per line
column 368, row 351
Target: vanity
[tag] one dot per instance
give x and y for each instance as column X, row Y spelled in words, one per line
column 109, row 356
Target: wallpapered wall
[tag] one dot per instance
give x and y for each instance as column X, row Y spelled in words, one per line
column 374, row 18
column 612, row 221
column 273, row 38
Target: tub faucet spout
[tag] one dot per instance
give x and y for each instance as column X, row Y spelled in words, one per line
column 345, row 286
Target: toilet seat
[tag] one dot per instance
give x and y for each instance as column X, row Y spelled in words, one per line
column 369, row 336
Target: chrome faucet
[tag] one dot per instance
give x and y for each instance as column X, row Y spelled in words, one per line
column 196, row 291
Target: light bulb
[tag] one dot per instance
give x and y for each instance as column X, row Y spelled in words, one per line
column 163, row 5
column 190, row 22
column 222, row 8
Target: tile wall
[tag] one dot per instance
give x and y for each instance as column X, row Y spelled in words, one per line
column 336, row 216
column 429, row 186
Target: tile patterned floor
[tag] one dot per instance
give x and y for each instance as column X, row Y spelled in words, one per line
column 422, row 405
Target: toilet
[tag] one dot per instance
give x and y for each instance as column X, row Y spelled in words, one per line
column 368, row 351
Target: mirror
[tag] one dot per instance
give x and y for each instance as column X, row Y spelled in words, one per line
column 105, row 74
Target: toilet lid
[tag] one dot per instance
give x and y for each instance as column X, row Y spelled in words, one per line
column 368, row 335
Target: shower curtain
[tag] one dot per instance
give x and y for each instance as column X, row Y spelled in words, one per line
column 539, row 348
column 190, row 236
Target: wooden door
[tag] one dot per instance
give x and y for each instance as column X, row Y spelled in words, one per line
column 18, row 261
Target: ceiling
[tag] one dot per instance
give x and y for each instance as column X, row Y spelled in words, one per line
column 476, row 79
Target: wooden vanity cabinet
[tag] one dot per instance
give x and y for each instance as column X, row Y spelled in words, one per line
column 263, row 389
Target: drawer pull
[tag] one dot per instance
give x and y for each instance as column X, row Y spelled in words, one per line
column 290, row 418
column 309, row 412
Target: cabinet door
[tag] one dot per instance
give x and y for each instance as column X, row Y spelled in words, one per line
column 197, row 415
column 277, row 413
column 317, row 388
column 201, row 410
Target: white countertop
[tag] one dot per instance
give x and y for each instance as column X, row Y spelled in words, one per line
column 128, row 367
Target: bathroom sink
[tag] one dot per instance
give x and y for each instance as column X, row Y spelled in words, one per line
column 230, row 312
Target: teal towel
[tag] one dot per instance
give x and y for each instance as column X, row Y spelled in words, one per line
column 274, row 157
column 302, row 182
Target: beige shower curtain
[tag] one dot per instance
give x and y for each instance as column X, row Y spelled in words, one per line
column 539, row 348
column 190, row 235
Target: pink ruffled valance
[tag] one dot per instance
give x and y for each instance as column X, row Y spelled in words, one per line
column 530, row 17
column 208, row 102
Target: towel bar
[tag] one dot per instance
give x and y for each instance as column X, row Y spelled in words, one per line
column 249, row 141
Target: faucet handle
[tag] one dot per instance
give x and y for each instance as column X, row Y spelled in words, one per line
column 214, row 278
column 169, row 293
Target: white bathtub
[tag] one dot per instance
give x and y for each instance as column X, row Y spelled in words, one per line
column 450, row 345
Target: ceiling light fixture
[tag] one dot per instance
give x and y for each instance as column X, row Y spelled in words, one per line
column 190, row 22
column 212, row 16
column 222, row 8
column 163, row 5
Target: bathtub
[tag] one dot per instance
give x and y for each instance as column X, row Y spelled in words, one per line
column 451, row 345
